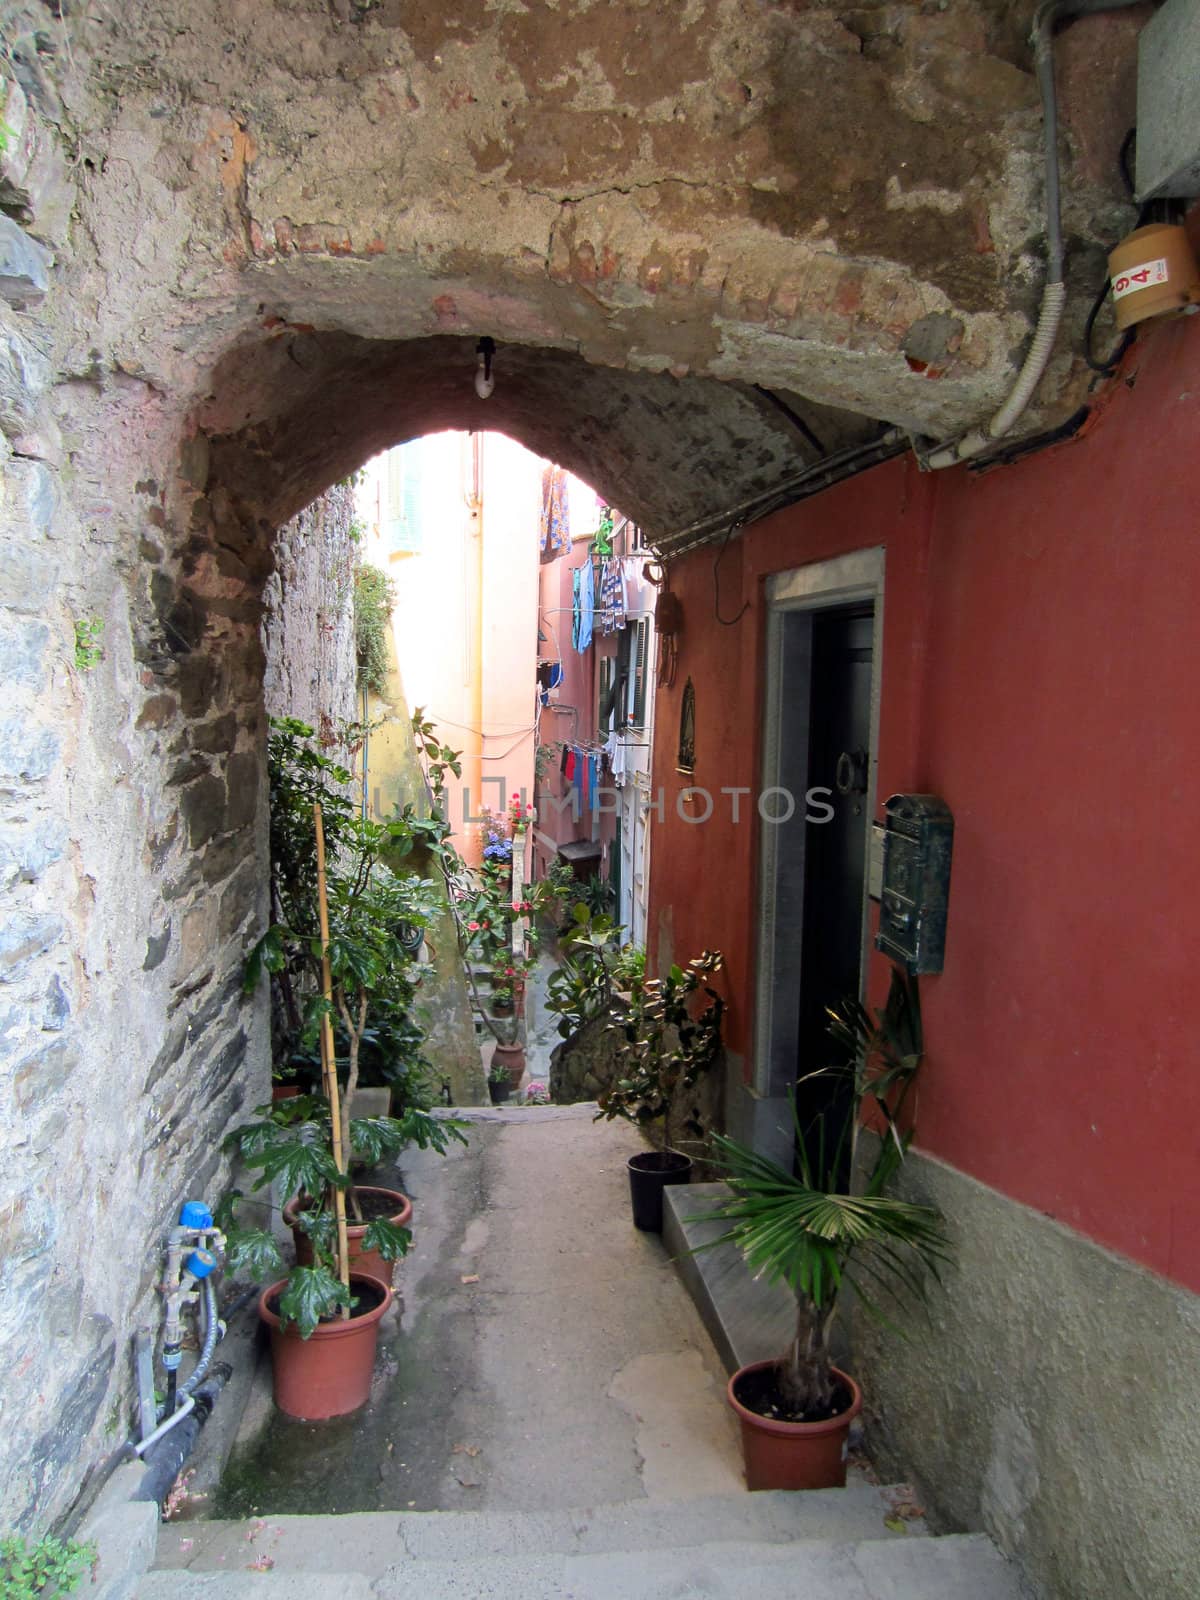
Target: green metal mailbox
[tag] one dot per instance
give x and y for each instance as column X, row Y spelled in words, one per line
column 918, row 837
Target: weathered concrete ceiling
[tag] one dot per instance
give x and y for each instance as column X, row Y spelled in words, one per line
column 835, row 201
column 304, row 409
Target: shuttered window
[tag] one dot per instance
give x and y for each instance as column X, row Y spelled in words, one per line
column 639, row 673
column 402, row 512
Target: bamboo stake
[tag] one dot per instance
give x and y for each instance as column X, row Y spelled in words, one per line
column 329, row 1063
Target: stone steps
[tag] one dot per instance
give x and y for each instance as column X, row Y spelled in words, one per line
column 831, row 1545
column 372, row 1541
column 962, row 1567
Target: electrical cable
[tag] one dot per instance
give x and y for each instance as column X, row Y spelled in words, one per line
column 1054, row 292
column 793, row 417
column 726, row 622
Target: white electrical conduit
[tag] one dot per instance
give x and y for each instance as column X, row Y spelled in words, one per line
column 1054, row 295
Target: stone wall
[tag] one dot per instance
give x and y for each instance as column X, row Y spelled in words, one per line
column 308, row 624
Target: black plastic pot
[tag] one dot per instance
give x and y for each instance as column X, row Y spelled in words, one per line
column 499, row 1092
column 649, row 1174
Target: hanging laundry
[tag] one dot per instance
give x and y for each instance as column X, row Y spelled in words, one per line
column 555, row 535
column 612, row 596
column 587, row 604
column 614, row 749
column 575, row 609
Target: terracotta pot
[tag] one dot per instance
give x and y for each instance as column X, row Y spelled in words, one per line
column 369, row 1262
column 649, row 1174
column 512, row 1056
column 284, row 1091
column 329, row 1373
column 794, row 1455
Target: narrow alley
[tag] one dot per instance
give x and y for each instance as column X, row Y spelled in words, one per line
column 546, row 1355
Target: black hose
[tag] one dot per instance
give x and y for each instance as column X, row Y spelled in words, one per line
column 164, row 1460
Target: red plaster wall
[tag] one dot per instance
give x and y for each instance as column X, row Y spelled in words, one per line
column 1039, row 672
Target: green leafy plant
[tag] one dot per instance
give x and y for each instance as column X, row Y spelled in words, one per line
column 667, row 1046
column 629, row 969
column 597, row 894
column 376, row 918
column 88, row 651
column 805, row 1228
column 581, row 986
column 374, row 600
column 438, row 758
column 289, row 1144
column 44, row 1570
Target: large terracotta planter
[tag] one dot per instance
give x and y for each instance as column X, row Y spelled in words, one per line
column 369, row 1262
column 794, row 1455
column 329, row 1373
column 512, row 1058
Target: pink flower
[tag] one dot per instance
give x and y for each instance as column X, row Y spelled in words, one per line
column 509, row 971
column 473, row 927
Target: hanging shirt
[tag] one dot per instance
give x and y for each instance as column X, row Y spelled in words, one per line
column 612, row 596
column 614, row 749
column 587, row 604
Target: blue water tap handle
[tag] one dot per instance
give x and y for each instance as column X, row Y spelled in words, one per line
column 195, row 1216
column 200, row 1263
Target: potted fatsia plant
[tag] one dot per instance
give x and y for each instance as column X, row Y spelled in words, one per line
column 667, row 1046
column 826, row 1225
column 343, row 939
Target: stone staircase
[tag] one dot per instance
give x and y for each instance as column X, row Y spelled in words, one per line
column 838, row 1544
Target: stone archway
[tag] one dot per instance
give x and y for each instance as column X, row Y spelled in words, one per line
column 246, row 245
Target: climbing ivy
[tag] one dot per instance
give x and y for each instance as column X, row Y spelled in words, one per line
column 374, row 597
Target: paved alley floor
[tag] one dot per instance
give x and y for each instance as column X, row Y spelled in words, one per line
column 546, row 1355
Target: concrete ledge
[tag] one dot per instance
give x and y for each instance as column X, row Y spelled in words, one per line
column 125, row 1532
column 747, row 1319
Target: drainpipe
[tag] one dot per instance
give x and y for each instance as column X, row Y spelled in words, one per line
column 1054, row 295
column 476, row 594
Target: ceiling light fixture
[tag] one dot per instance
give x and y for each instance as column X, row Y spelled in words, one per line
column 485, row 380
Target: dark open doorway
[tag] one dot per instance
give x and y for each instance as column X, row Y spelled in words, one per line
column 823, row 647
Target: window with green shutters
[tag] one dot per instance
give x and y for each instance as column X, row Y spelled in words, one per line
column 402, row 514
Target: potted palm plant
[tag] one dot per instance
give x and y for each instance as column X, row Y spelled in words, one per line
column 806, row 1228
column 667, row 1046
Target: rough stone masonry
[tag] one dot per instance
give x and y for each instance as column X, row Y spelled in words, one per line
column 243, row 245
